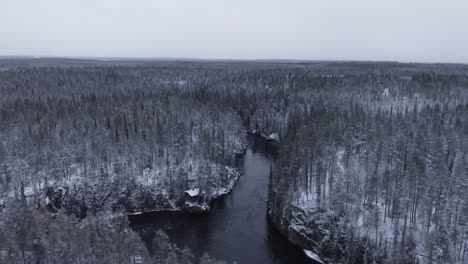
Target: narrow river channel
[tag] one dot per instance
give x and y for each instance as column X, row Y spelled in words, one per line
column 237, row 228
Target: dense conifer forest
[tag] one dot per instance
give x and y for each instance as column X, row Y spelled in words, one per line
column 372, row 163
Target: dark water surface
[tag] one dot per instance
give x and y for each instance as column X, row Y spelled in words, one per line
column 237, row 228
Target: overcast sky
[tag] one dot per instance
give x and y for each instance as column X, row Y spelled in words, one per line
column 403, row 30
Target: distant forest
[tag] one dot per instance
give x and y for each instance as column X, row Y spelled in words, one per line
column 372, row 164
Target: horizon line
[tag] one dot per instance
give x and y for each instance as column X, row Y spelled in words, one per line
column 195, row 59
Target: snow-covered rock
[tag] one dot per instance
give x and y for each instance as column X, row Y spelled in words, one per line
column 193, row 192
column 301, row 231
column 274, row 137
column 310, row 254
column 196, row 206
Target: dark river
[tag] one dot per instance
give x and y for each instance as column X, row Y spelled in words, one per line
column 237, row 228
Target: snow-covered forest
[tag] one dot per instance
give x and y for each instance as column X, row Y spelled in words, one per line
column 372, row 164
column 374, row 169
column 110, row 138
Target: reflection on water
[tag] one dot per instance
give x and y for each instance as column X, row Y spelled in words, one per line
column 237, row 228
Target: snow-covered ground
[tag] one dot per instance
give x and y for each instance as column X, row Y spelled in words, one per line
column 147, row 192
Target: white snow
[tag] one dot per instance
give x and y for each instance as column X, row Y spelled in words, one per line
column 28, row 191
column 339, row 159
column 274, row 136
column 193, row 192
column 306, row 200
column 201, row 206
column 313, row 256
column 135, row 213
column 386, row 92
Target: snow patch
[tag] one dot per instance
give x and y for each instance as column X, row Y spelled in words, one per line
column 196, row 207
column 313, row 256
column 386, row 92
column 274, row 137
column 193, row 192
